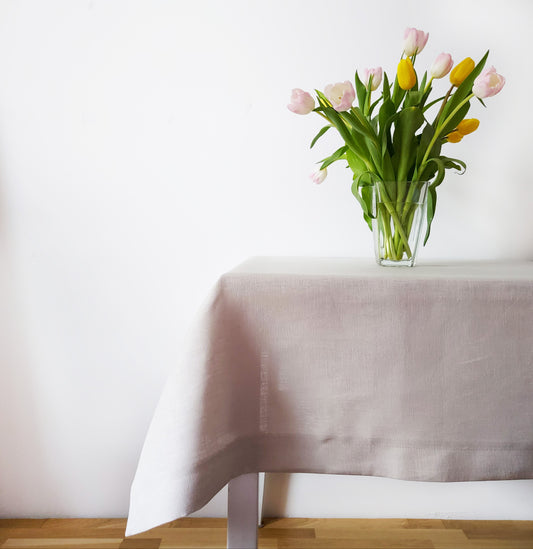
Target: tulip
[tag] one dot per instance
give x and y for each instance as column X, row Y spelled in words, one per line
column 454, row 137
column 301, row 102
column 468, row 125
column 319, row 176
column 406, row 74
column 461, row 71
column 374, row 76
column 414, row 41
column 441, row 66
column 340, row 95
column 488, row 83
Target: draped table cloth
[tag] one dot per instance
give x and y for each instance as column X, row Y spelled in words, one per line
column 340, row 366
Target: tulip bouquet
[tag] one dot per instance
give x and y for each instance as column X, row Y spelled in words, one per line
column 391, row 145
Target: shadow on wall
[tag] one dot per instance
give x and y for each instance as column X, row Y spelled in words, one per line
column 275, row 494
column 23, row 470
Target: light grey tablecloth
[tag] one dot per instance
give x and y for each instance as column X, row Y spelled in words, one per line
column 341, row 366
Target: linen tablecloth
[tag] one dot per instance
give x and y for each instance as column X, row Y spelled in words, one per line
column 341, row 366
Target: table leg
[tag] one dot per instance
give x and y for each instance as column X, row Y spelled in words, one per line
column 261, row 499
column 243, row 511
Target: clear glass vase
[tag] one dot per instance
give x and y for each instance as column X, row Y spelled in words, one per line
column 399, row 210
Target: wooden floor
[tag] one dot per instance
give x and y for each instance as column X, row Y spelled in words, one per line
column 276, row 533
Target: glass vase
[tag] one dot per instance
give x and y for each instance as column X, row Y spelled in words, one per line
column 399, row 210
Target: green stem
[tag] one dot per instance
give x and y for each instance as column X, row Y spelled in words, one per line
column 394, row 214
column 401, row 186
column 385, row 226
column 368, row 95
column 409, row 201
column 446, row 97
column 439, row 129
column 398, row 245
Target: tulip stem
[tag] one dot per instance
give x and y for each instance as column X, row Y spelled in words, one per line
column 369, row 95
column 443, row 104
column 396, row 220
column 439, row 129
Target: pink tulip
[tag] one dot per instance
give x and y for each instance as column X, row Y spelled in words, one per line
column 319, row 176
column 301, row 102
column 488, row 83
column 414, row 41
column 376, row 74
column 340, row 95
column 441, row 66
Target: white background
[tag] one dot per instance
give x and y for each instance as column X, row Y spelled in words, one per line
column 145, row 148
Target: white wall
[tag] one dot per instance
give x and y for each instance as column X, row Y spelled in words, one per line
column 145, row 148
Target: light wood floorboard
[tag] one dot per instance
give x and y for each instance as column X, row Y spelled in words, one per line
column 284, row 533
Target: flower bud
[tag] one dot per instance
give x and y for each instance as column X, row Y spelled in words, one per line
column 441, row 66
column 301, row 102
column 461, row 71
column 414, row 41
column 468, row 125
column 376, row 75
column 454, row 137
column 319, row 176
column 341, row 95
column 406, row 74
column 488, row 83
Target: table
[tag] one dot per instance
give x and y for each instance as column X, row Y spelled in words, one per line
column 340, row 366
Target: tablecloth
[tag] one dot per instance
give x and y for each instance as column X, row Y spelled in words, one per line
column 340, row 366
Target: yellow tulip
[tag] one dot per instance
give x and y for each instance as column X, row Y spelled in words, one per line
column 461, row 71
column 406, row 74
column 454, row 137
column 468, row 125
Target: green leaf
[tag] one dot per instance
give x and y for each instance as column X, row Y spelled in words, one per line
column 355, row 191
column 367, row 195
column 334, row 117
column 440, row 170
column 364, row 196
column 361, row 91
column 356, row 124
column 320, row 134
column 443, row 163
column 432, row 194
column 324, row 103
column 454, row 121
column 374, row 105
column 356, row 163
column 425, row 139
column 388, row 171
column 386, row 87
column 423, row 81
column 398, row 94
column 363, row 124
column 424, row 98
column 386, row 111
column 355, row 130
column 413, row 98
column 454, row 163
column 337, row 155
column 431, row 206
column 404, row 140
column 429, row 105
column 368, row 140
column 387, row 115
